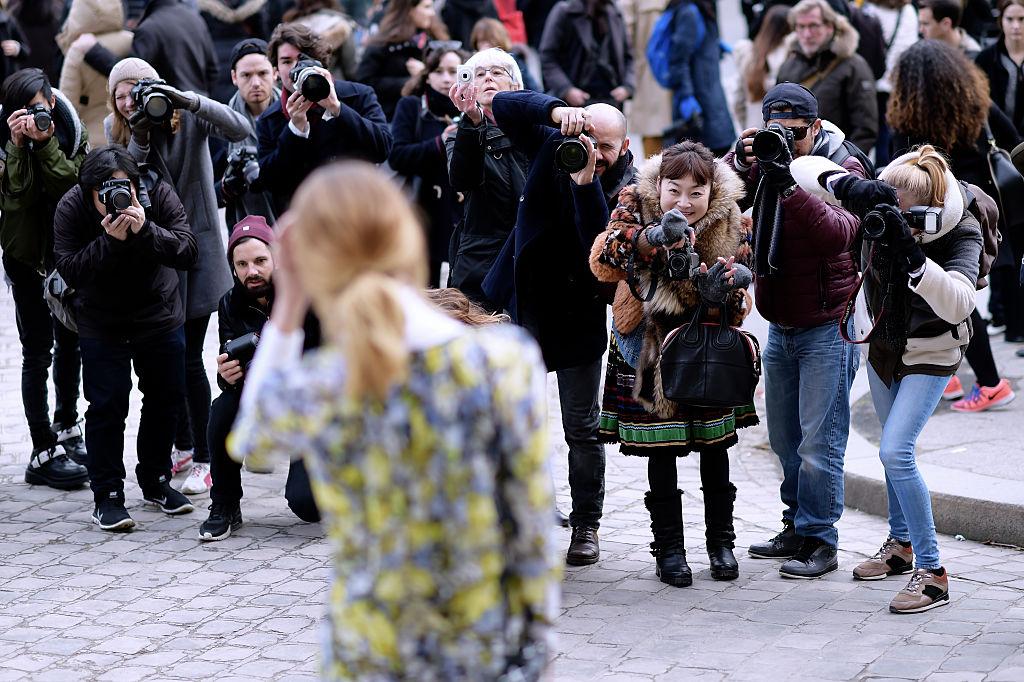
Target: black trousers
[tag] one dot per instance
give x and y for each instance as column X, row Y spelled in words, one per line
column 40, row 334
column 227, row 473
column 979, row 353
column 107, row 372
column 579, row 393
column 663, row 476
column 195, row 413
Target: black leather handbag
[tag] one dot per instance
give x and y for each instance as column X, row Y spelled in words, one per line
column 710, row 364
column 1009, row 185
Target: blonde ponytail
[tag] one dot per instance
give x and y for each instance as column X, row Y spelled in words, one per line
column 921, row 175
column 368, row 321
column 356, row 242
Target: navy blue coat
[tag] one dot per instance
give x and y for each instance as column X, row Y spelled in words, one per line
column 694, row 72
column 359, row 131
column 542, row 275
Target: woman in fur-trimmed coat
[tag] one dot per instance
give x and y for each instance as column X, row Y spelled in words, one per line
column 684, row 182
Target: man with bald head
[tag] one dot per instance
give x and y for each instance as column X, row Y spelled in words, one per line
column 542, row 275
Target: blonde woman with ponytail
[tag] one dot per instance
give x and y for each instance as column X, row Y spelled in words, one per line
column 920, row 289
column 424, row 439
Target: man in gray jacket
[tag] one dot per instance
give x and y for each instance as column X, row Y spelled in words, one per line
column 256, row 78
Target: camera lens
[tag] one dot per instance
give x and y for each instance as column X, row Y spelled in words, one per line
column 157, row 107
column 313, row 86
column 42, row 120
column 873, row 226
column 571, row 156
column 768, row 145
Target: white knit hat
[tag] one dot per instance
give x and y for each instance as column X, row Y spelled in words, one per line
column 130, row 69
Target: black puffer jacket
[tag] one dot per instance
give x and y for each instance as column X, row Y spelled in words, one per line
column 383, row 68
column 491, row 174
column 125, row 289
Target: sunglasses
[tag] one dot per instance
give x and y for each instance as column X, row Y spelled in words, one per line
column 799, row 132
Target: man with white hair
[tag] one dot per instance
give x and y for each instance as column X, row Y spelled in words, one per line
column 488, row 171
column 824, row 60
column 543, row 278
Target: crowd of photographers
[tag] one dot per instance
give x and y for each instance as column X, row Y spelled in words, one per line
column 116, row 259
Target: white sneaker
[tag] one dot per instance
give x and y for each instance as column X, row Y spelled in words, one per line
column 181, row 460
column 199, row 480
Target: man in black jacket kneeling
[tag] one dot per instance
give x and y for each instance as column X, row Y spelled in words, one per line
column 242, row 313
column 120, row 250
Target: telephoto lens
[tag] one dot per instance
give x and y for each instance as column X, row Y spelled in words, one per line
column 155, row 105
column 571, row 155
column 116, row 195
column 873, row 226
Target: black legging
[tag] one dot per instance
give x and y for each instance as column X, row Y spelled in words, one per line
column 664, row 479
column 979, row 353
column 195, row 414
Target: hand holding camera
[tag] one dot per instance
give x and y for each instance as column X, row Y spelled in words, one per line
column 229, row 370
column 887, row 224
column 243, row 169
column 672, row 230
column 572, row 121
column 860, row 196
column 316, row 83
column 298, row 107
column 177, row 98
column 463, row 96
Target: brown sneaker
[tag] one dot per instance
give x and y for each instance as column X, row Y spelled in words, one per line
column 892, row 559
column 924, row 591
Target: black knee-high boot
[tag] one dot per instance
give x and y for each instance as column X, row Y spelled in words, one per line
column 719, row 500
column 668, row 547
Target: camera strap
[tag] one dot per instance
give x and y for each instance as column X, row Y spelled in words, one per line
column 631, row 276
column 851, row 303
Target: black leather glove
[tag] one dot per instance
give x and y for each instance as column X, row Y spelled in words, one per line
column 741, row 153
column 140, row 123
column 778, row 173
column 860, row 195
column 903, row 242
column 179, row 99
column 672, row 229
column 714, row 289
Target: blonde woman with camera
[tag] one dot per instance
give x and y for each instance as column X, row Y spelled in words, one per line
column 424, row 439
column 921, row 268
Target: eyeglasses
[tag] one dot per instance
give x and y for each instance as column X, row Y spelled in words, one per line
column 799, row 132
column 494, row 71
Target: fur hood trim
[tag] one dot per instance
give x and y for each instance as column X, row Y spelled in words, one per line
column 843, row 44
column 952, row 205
column 90, row 16
column 228, row 15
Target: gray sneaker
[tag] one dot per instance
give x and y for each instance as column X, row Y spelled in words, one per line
column 924, row 592
column 891, row 559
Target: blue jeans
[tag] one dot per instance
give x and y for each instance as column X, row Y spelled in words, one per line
column 807, row 376
column 904, row 409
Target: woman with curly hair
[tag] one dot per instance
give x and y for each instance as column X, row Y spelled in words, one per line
column 682, row 191
column 939, row 97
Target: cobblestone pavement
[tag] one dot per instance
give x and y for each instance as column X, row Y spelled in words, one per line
column 77, row 603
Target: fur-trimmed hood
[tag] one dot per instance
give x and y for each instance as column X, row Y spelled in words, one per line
column 91, row 16
column 223, row 12
column 719, row 232
column 843, row 44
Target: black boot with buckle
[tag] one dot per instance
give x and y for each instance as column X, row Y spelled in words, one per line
column 719, row 531
column 668, row 547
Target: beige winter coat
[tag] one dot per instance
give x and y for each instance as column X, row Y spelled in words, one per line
column 85, row 86
column 650, row 110
column 747, row 111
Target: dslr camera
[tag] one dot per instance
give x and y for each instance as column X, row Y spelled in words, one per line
column 681, row 262
column 155, row 105
column 571, row 155
column 877, row 225
column 116, row 195
column 243, row 170
column 243, row 348
column 771, row 142
column 41, row 116
column 307, row 80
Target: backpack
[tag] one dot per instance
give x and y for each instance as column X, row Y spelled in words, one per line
column 984, row 209
column 659, row 46
column 848, row 149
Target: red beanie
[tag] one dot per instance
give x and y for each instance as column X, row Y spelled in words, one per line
column 250, row 226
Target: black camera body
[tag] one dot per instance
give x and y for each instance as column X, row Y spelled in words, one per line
column 307, row 80
column 571, row 155
column 771, row 142
column 116, row 195
column 243, row 348
column 878, row 224
column 243, row 170
column 682, row 262
column 155, row 105
column 41, row 116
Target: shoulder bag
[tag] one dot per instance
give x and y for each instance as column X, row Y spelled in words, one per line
column 1008, row 183
column 710, row 364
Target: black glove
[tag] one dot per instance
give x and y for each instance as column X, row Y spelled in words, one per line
column 714, row 289
column 778, row 174
column 179, row 99
column 903, row 242
column 860, row 195
column 672, row 229
column 741, row 153
column 139, row 122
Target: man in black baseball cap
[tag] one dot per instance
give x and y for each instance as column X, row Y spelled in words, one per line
column 805, row 270
column 256, row 80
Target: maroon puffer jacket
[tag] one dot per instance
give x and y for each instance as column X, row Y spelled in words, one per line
column 818, row 267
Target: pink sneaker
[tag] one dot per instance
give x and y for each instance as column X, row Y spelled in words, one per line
column 181, row 460
column 954, row 389
column 984, row 398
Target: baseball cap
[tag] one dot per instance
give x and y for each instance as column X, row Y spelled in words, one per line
column 247, row 47
column 798, row 99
